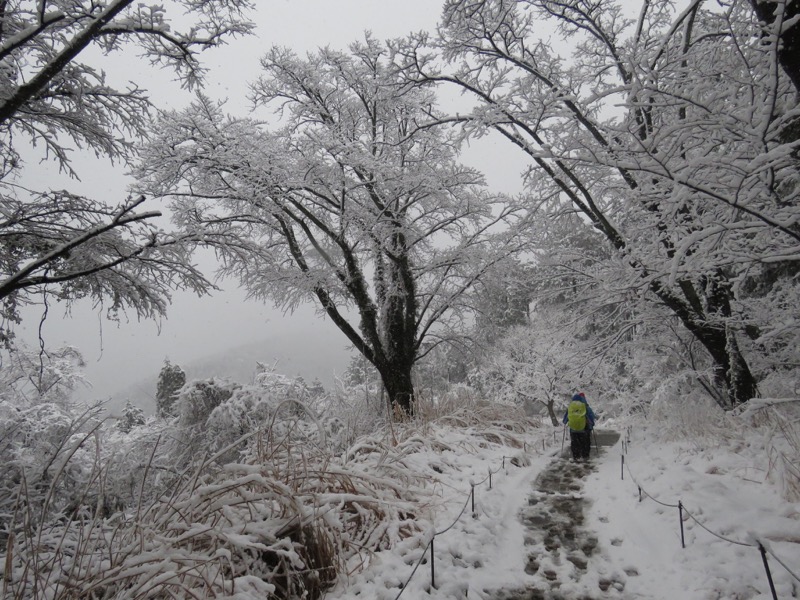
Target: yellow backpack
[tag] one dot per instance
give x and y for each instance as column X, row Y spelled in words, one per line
column 576, row 415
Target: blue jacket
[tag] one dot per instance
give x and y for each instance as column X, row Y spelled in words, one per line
column 589, row 414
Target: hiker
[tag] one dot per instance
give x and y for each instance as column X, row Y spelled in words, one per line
column 580, row 418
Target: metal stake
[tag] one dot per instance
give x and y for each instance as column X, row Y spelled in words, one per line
column 433, row 570
column 769, row 574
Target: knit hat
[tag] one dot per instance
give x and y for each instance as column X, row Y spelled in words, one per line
column 578, row 397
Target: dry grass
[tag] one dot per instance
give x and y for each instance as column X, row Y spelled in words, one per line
column 284, row 522
column 281, row 524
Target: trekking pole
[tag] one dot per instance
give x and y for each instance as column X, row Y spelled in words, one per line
column 596, row 447
column 563, row 438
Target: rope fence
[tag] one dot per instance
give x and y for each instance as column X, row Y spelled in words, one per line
column 469, row 501
column 762, row 548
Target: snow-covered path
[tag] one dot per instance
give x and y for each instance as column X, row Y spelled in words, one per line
column 562, row 551
column 551, row 529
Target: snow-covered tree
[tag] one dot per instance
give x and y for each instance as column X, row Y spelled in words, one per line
column 171, row 379
column 62, row 244
column 132, row 416
column 529, row 367
column 357, row 202
column 503, row 298
column 670, row 134
column 29, row 377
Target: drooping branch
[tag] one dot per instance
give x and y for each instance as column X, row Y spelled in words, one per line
column 25, row 92
column 23, row 278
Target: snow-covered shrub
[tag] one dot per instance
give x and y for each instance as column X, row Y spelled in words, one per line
column 42, row 452
column 281, row 386
column 352, row 411
column 132, row 416
column 139, row 464
column 248, row 410
column 781, row 382
column 194, row 403
column 496, row 422
column 779, row 420
column 198, row 399
column 255, row 412
column 32, row 377
column 230, row 421
column 454, row 399
column 48, row 444
column 683, row 413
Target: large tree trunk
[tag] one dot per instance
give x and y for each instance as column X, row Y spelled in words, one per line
column 398, row 328
column 399, row 387
column 734, row 382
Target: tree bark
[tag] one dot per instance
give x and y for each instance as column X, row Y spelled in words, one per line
column 734, row 381
column 551, row 412
column 399, row 387
column 789, row 42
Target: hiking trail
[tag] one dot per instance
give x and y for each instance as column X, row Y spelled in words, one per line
column 555, row 532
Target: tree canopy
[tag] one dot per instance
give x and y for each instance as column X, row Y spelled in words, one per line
column 356, row 201
column 670, row 135
column 59, row 244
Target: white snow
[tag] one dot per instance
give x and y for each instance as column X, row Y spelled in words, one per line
column 538, row 526
column 721, row 479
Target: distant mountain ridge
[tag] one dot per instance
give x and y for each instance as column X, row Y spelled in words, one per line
column 288, row 354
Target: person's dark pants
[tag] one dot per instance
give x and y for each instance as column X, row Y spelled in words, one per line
column 580, row 443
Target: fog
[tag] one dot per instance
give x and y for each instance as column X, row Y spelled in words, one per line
column 123, row 358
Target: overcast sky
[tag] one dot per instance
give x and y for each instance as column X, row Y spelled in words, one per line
column 119, row 355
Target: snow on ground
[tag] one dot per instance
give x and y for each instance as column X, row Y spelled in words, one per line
column 722, row 483
column 727, row 511
column 461, row 557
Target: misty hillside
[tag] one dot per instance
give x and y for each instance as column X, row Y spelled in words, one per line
column 286, row 354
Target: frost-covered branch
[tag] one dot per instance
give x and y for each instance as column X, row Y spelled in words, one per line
column 357, row 201
column 631, row 133
column 57, row 242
